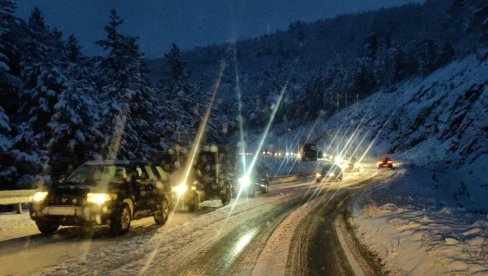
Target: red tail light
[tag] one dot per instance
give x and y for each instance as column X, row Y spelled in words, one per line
column 390, row 162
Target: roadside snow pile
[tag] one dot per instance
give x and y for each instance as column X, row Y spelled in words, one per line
column 418, row 229
column 12, row 223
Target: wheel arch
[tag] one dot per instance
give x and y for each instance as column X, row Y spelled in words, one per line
column 130, row 203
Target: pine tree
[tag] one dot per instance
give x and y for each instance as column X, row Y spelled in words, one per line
column 445, row 55
column 75, row 125
column 176, row 100
column 43, row 74
column 428, row 56
column 128, row 100
column 9, row 83
column 72, row 49
column 372, row 46
column 177, row 72
column 5, row 132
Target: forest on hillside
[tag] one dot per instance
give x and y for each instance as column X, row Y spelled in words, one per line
column 332, row 63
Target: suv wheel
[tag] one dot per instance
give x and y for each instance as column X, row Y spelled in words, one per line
column 47, row 228
column 120, row 222
column 251, row 191
column 193, row 205
column 162, row 214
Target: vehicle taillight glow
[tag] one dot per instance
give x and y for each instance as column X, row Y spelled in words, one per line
column 390, row 162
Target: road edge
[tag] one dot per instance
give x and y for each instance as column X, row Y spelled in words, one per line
column 362, row 259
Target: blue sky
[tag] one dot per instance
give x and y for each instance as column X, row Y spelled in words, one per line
column 188, row 23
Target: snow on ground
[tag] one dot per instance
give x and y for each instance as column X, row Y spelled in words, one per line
column 418, row 229
column 14, row 225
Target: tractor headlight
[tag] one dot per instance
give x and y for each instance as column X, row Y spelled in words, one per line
column 181, row 189
column 39, row 196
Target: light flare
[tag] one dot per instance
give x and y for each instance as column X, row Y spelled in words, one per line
column 203, row 125
column 250, row 168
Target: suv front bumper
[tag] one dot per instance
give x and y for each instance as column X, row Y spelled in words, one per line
column 72, row 215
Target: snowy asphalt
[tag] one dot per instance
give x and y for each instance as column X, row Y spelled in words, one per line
column 292, row 225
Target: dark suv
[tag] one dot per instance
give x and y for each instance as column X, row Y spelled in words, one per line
column 257, row 181
column 328, row 172
column 104, row 193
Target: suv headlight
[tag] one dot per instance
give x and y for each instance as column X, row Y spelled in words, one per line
column 331, row 174
column 99, row 198
column 39, row 196
column 318, row 175
column 357, row 165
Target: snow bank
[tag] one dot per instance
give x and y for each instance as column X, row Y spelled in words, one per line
column 14, row 225
column 418, row 229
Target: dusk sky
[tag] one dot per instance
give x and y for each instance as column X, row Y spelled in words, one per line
column 188, row 23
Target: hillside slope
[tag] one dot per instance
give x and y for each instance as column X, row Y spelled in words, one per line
column 332, row 62
column 438, row 122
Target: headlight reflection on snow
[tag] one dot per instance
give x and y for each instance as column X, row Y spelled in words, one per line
column 243, row 241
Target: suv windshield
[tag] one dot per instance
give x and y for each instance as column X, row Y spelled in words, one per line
column 96, row 174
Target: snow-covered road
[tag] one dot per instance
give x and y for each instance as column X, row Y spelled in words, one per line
column 239, row 238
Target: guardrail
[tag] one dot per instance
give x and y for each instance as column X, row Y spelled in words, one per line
column 290, row 176
column 16, row 197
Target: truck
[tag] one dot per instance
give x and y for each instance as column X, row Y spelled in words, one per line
column 202, row 180
column 309, row 152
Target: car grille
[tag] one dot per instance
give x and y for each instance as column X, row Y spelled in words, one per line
column 64, row 200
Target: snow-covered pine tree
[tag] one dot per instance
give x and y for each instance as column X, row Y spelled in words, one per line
column 9, row 83
column 35, row 60
column 75, row 128
column 7, row 20
column 177, row 104
column 22, row 163
column 127, row 99
column 72, row 49
column 5, row 133
column 43, row 75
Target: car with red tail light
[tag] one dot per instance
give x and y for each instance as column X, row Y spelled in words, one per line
column 385, row 162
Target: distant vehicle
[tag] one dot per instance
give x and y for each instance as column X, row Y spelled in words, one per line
column 257, row 181
column 309, row 152
column 352, row 165
column 329, row 172
column 109, row 193
column 204, row 181
column 385, row 162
